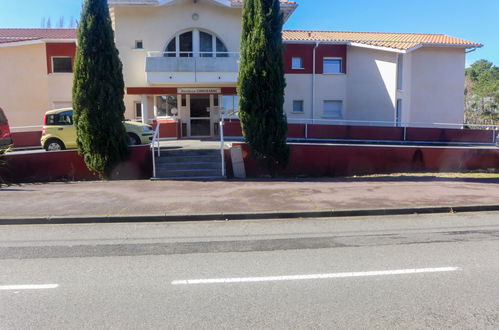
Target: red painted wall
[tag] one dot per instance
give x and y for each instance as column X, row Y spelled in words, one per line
column 306, row 52
column 26, row 139
column 68, row 165
column 59, row 49
column 326, row 160
column 167, row 129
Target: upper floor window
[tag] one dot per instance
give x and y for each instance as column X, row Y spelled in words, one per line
column 196, row 43
column 297, row 63
column 62, row 64
column 333, row 65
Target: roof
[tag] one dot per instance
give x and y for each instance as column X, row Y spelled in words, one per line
column 19, row 35
column 395, row 41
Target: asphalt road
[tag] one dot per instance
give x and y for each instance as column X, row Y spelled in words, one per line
column 406, row 272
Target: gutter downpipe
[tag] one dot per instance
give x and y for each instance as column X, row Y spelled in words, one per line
column 313, row 83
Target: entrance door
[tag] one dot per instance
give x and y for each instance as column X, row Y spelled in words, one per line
column 200, row 116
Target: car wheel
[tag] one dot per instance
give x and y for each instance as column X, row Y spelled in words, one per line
column 54, row 145
column 133, row 140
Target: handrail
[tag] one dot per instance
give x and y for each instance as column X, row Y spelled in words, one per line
column 385, row 123
column 155, row 139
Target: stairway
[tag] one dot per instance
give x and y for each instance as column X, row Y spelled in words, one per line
column 189, row 164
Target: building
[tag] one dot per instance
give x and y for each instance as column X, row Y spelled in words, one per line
column 36, row 68
column 180, row 61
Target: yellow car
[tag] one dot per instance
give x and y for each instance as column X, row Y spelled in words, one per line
column 59, row 133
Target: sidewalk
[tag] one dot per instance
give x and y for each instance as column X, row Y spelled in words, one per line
column 159, row 198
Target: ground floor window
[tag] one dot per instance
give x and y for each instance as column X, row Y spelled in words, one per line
column 297, row 106
column 230, row 103
column 333, row 109
column 166, row 106
column 138, row 110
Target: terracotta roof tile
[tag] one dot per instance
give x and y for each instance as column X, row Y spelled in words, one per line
column 401, row 41
column 17, row 35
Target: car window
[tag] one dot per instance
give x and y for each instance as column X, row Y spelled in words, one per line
column 63, row 118
column 3, row 119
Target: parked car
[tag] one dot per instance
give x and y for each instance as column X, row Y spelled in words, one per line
column 5, row 137
column 59, row 133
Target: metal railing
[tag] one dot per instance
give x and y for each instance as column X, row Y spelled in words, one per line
column 191, row 54
column 403, row 125
column 155, row 140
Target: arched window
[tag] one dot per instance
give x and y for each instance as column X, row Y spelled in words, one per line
column 196, row 43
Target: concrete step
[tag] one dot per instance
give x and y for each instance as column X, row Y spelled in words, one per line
column 195, row 165
column 186, row 178
column 189, row 152
column 186, row 173
column 188, row 159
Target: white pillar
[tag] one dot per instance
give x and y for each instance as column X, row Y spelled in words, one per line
column 145, row 107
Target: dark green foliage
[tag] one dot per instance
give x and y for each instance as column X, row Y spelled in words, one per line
column 261, row 83
column 482, row 94
column 98, row 91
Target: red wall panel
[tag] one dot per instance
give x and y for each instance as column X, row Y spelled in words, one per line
column 306, row 52
column 68, row 165
column 334, row 160
column 59, row 49
column 26, row 139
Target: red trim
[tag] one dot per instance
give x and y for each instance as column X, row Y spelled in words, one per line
column 303, row 51
column 306, row 52
column 59, row 49
column 170, row 90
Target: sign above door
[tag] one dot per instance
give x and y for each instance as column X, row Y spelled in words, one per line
column 199, row 90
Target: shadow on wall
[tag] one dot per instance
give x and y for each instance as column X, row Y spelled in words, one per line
column 367, row 92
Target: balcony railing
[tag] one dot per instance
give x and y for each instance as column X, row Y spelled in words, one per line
column 192, row 62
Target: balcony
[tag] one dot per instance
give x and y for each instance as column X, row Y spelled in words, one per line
column 191, row 68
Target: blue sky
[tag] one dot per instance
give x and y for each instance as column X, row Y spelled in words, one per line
column 476, row 20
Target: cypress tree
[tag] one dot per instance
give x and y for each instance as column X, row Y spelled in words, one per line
column 98, row 91
column 261, row 83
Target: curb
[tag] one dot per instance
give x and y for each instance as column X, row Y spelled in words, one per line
column 242, row 216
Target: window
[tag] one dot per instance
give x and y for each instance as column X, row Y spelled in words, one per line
column 64, row 118
column 297, row 63
column 400, row 71
column 333, row 65
column 166, row 106
column 230, row 103
column 333, row 109
column 138, row 110
column 62, row 64
column 139, row 44
column 196, row 43
column 297, row 106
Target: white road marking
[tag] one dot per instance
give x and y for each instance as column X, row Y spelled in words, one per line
column 28, row 287
column 314, row 276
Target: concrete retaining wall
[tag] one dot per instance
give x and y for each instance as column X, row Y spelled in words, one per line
column 68, row 165
column 316, row 160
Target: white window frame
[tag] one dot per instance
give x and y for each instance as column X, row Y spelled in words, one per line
column 196, row 42
column 293, row 67
column 53, row 66
column 333, row 117
column 302, row 107
column 332, row 58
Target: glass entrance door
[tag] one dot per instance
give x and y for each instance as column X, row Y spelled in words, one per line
column 200, row 116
